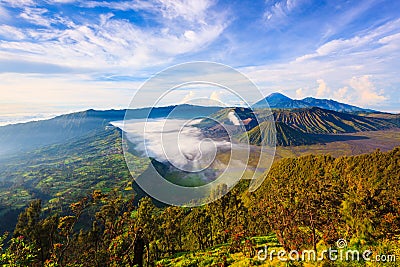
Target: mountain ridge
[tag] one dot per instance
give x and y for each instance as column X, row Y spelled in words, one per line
column 32, row 135
column 303, row 126
column 281, row 101
column 27, row 136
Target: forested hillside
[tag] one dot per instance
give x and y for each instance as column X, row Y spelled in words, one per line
column 304, row 203
column 60, row 174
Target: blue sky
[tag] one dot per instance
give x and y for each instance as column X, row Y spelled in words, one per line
column 64, row 55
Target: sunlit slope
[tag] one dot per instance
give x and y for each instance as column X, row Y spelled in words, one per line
column 60, row 174
column 294, row 127
column 317, row 120
column 262, row 134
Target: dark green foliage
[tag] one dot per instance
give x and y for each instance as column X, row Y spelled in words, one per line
column 19, row 252
column 301, row 199
column 314, row 198
column 61, row 174
column 305, row 201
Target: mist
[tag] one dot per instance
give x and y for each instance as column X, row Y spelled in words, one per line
column 175, row 141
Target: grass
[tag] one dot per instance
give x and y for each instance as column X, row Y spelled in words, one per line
column 221, row 256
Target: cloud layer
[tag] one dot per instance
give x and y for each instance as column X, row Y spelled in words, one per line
column 173, row 141
column 97, row 53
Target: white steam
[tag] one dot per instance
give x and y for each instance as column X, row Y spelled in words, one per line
column 233, row 118
column 174, row 141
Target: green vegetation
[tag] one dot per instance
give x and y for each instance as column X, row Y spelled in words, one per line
column 62, row 129
column 75, row 203
column 262, row 134
column 61, row 174
column 305, row 203
column 294, row 127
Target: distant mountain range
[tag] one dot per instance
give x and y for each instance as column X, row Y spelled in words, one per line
column 62, row 158
column 301, row 116
column 32, row 135
column 280, row 101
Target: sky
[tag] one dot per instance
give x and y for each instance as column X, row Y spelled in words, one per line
column 59, row 56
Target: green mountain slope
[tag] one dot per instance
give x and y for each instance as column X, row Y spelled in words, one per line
column 317, row 120
column 36, row 134
column 294, row 127
column 63, row 173
column 32, row 135
column 285, row 135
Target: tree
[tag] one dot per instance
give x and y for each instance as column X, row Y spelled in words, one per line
column 148, row 222
column 198, row 225
column 172, row 220
column 41, row 233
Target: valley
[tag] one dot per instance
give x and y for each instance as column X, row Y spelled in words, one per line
column 82, row 157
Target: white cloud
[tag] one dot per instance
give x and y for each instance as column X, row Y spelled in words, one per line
column 187, row 9
column 215, row 96
column 116, row 46
column 24, row 93
column 358, row 90
column 374, row 53
column 111, row 43
column 365, row 92
column 35, row 16
column 174, row 141
column 300, row 93
column 60, row 1
column 12, row 33
column 120, row 5
column 4, row 15
column 191, row 11
column 17, row 3
column 188, row 97
column 278, row 13
column 322, row 90
column 349, row 14
column 233, row 118
column 390, row 38
column 106, row 45
column 381, row 35
column 342, row 94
